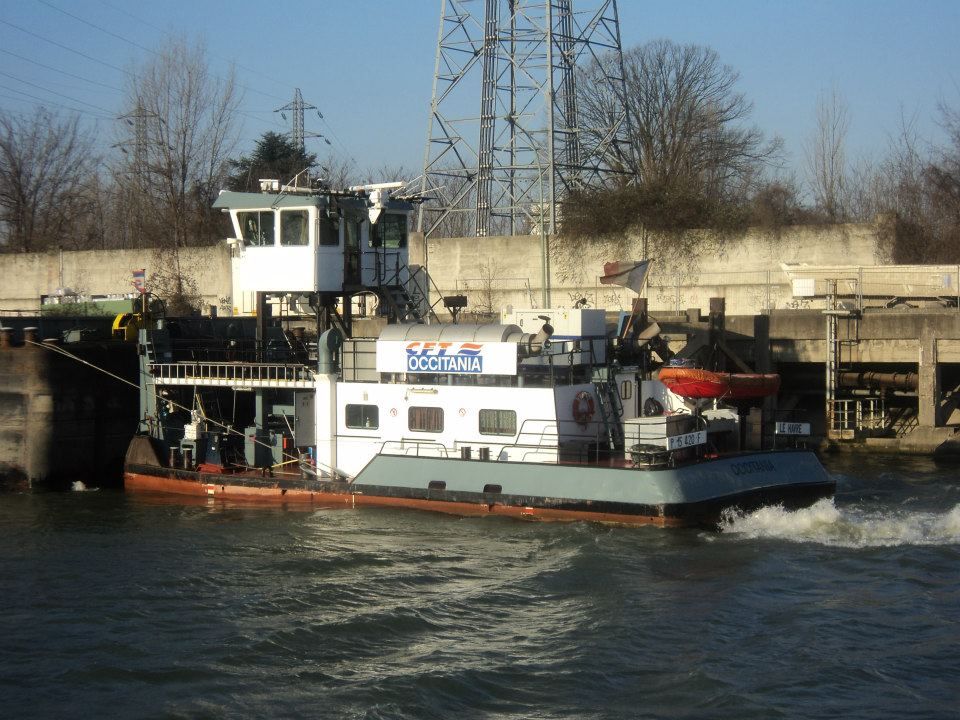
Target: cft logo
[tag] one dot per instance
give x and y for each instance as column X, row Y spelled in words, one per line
column 444, row 357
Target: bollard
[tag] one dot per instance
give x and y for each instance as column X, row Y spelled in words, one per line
column 187, row 458
column 174, row 457
column 30, row 335
column 466, row 452
column 484, row 453
column 6, row 337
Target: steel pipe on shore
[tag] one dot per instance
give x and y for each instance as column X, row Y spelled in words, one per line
column 884, row 380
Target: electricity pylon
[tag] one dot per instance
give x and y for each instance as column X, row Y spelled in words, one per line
column 504, row 165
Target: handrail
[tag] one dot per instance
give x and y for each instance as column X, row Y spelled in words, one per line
column 403, row 442
column 224, row 373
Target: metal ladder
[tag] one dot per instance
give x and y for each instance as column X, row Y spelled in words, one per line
column 611, row 410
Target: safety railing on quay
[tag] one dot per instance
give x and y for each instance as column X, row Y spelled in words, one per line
column 747, row 292
column 849, row 416
column 801, row 288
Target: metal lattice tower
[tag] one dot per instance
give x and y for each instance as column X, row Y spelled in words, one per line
column 296, row 108
column 506, row 168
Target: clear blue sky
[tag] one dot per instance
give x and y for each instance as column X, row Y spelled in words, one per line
column 368, row 64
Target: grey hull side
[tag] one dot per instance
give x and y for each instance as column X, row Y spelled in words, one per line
column 707, row 482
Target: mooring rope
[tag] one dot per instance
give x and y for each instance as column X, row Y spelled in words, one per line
column 227, row 428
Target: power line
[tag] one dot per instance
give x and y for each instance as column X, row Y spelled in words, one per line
column 62, row 72
column 53, row 92
column 135, row 44
column 96, row 27
column 246, row 69
column 64, row 47
column 140, row 20
column 107, row 116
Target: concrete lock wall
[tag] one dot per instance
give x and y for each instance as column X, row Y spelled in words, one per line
column 25, row 277
column 745, row 269
column 500, row 271
column 62, row 420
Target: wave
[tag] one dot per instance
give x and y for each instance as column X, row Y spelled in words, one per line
column 824, row 523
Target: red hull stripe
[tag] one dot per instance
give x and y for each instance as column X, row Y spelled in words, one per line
column 139, row 482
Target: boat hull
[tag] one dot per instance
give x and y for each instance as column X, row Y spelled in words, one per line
column 693, row 494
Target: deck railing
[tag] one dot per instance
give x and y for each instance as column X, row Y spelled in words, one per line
column 245, row 375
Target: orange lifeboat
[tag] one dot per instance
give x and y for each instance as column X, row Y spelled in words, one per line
column 697, row 384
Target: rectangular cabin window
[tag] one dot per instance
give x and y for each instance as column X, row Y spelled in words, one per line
column 329, row 230
column 390, row 232
column 256, row 226
column 366, row 417
column 353, row 233
column 425, row 419
column 294, row 227
column 498, row 422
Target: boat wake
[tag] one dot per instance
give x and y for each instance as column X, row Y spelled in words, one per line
column 824, row 523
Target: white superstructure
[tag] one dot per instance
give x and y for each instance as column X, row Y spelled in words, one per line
column 300, row 243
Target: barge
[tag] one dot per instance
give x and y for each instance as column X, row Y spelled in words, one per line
column 539, row 423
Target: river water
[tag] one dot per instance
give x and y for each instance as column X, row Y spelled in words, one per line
column 120, row 606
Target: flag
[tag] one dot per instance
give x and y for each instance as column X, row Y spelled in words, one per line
column 140, row 280
column 626, row 273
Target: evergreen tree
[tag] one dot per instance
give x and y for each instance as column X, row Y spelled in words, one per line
column 276, row 156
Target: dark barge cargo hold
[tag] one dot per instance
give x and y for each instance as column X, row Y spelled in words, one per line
column 464, row 419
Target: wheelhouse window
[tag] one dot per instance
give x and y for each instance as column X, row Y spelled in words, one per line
column 329, row 231
column 353, row 232
column 366, row 417
column 498, row 422
column 390, row 232
column 256, row 227
column 294, row 227
column 425, row 419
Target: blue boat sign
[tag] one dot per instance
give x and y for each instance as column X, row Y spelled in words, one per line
column 793, row 428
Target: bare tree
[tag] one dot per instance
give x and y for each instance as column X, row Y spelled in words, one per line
column 826, row 155
column 44, row 163
column 183, row 121
column 914, row 194
column 174, row 283
column 687, row 116
column 695, row 160
column 941, row 179
column 338, row 172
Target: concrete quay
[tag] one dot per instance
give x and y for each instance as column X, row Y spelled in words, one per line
column 62, row 421
column 921, row 345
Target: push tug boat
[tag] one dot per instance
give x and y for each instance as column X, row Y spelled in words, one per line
column 462, row 419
